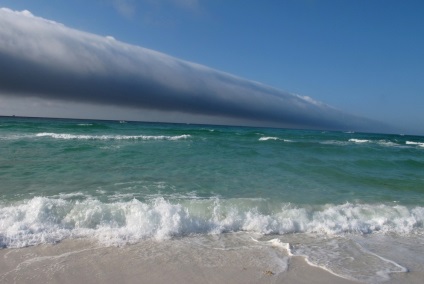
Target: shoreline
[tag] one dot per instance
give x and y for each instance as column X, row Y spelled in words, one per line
column 80, row 261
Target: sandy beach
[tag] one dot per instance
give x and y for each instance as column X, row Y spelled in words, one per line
column 150, row 262
column 76, row 261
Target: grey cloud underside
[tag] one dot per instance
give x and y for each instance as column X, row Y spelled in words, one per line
column 48, row 60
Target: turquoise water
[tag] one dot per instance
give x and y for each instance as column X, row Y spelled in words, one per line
column 101, row 159
column 123, row 182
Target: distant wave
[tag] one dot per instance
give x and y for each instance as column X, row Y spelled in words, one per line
column 379, row 142
column 268, row 138
column 420, row 144
column 344, row 142
column 388, row 143
column 274, row 138
column 47, row 220
column 359, row 140
column 67, row 136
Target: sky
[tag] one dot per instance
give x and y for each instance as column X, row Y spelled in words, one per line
column 302, row 63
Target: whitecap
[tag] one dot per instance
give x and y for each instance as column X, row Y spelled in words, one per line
column 265, row 138
column 420, row 144
column 359, row 140
column 67, row 136
column 387, row 143
column 268, row 138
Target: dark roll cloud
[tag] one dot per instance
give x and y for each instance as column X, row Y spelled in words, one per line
column 45, row 59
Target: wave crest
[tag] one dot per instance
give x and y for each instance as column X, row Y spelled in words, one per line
column 67, row 136
column 47, row 220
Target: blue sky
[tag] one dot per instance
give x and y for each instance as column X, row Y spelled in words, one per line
column 362, row 57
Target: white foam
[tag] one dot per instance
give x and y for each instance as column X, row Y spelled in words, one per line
column 347, row 259
column 67, row 136
column 274, row 138
column 340, row 256
column 43, row 220
column 387, row 143
column 280, row 244
column 359, row 140
column 420, row 144
column 383, row 142
column 268, row 138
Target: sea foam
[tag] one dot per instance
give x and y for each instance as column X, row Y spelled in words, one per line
column 268, row 138
column 67, row 136
column 274, row 139
column 359, row 140
column 47, row 220
column 420, row 144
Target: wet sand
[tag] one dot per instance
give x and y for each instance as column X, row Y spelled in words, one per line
column 173, row 261
column 151, row 262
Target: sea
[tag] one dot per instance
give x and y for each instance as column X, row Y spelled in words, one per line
column 350, row 203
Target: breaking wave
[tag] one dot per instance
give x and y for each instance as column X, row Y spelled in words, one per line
column 67, row 136
column 274, row 139
column 420, row 144
column 48, row 220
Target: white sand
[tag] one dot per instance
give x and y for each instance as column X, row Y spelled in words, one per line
column 171, row 261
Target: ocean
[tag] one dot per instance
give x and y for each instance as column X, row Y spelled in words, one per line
column 350, row 203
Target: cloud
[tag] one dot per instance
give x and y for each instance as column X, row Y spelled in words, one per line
column 126, row 8
column 44, row 59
